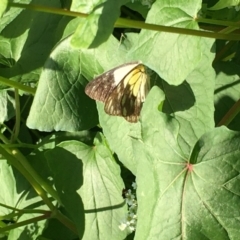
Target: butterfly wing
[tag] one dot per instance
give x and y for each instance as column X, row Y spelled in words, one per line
column 121, row 102
column 122, row 89
column 100, row 87
column 127, row 98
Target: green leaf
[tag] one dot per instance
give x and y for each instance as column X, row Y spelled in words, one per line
column 7, row 105
column 92, row 174
column 85, row 32
column 60, row 101
column 17, row 192
column 172, row 56
column 204, row 193
column 117, row 129
column 20, row 44
column 224, row 3
column 3, row 7
column 192, row 102
column 157, row 146
column 98, row 26
column 137, row 6
column 68, row 178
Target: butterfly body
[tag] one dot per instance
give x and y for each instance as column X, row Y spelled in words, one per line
column 123, row 90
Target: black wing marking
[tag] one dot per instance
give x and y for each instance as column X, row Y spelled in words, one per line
column 113, row 101
column 123, row 90
column 100, row 87
column 122, row 102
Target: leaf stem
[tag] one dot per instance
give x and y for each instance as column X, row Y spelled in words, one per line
column 17, row 85
column 47, row 9
column 18, row 117
column 218, row 22
column 230, row 115
column 121, row 22
column 24, row 223
column 20, row 163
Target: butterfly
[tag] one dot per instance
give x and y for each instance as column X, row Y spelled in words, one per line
column 122, row 89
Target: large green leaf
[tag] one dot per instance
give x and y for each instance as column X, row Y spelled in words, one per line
column 172, row 56
column 98, row 26
column 224, row 4
column 91, row 174
column 7, row 105
column 3, row 7
column 60, row 101
column 194, row 196
column 24, row 47
column 120, row 135
column 191, row 103
column 17, row 192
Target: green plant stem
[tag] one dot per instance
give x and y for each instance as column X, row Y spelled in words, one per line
column 121, row 22
column 17, row 145
column 34, row 174
column 228, row 30
column 4, row 139
column 63, row 219
column 224, row 50
column 20, row 163
column 231, row 114
column 218, row 22
column 14, row 84
column 55, row 214
column 20, row 210
column 40, row 8
column 18, row 117
column 24, row 223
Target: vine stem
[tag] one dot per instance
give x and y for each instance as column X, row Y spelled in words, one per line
column 122, row 22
